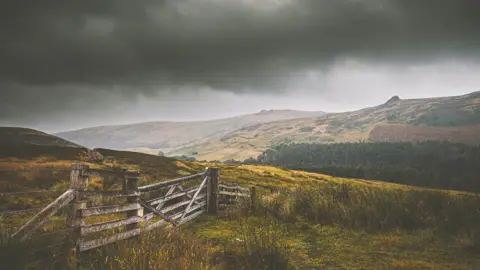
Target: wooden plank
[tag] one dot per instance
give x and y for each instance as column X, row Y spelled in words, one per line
column 108, row 240
column 173, row 207
column 212, row 191
column 174, row 217
column 156, row 212
column 162, row 222
column 172, row 196
column 192, row 216
column 130, row 186
column 169, row 192
column 200, row 205
column 124, row 235
column 107, row 172
column 233, row 194
column 177, row 205
column 78, row 176
column 193, row 208
column 243, row 188
column 225, row 186
column 107, row 193
column 42, row 217
column 98, row 227
column 188, row 195
column 78, row 182
column 109, row 209
column 156, row 186
column 234, row 187
column 195, row 196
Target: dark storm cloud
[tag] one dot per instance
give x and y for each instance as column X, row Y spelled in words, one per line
column 52, row 50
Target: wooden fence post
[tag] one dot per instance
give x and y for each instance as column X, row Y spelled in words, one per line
column 212, row 190
column 130, row 187
column 78, row 183
column 252, row 197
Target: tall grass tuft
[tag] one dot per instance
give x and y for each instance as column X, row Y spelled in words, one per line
column 12, row 254
column 261, row 246
column 50, row 252
column 159, row 249
column 375, row 209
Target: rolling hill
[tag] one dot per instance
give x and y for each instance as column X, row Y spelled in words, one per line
column 170, row 136
column 433, row 118
column 17, row 136
column 455, row 119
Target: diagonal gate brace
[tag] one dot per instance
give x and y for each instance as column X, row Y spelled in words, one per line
column 194, row 198
column 157, row 212
column 170, row 191
column 188, row 195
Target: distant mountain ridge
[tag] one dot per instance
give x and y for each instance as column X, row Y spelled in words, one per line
column 172, row 135
column 455, row 118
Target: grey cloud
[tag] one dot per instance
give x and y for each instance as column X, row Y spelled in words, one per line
column 65, row 48
column 223, row 44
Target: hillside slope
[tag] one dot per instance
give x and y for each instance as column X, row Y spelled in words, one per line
column 16, row 136
column 455, row 119
column 169, row 136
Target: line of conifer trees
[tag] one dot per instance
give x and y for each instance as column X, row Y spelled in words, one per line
column 431, row 164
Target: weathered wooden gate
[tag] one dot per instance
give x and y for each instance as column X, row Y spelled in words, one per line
column 101, row 217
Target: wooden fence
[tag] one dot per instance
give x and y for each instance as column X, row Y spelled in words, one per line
column 229, row 194
column 132, row 209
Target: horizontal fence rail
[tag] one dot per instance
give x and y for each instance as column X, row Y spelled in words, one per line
column 157, row 186
column 231, row 193
column 99, row 217
column 108, row 209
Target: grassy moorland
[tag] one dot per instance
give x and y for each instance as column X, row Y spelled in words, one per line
column 314, row 221
column 333, row 223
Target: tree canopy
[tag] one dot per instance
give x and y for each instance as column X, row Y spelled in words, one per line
column 430, row 164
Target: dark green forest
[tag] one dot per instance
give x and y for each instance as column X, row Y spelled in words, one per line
column 428, row 164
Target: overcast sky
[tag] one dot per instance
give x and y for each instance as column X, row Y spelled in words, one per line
column 68, row 64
